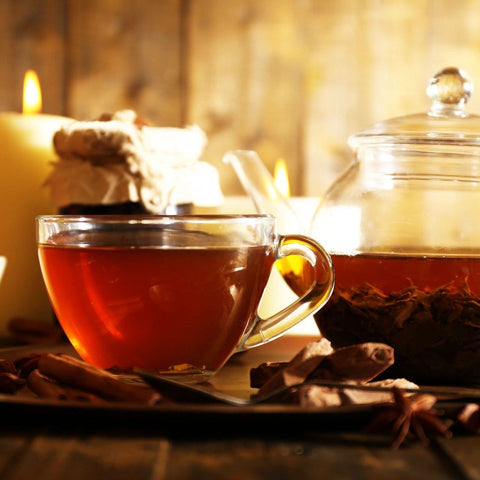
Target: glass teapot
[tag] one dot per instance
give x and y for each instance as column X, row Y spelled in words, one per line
column 402, row 225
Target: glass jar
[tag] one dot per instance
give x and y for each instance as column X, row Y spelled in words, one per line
column 402, row 225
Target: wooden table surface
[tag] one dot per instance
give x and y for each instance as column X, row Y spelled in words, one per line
column 43, row 440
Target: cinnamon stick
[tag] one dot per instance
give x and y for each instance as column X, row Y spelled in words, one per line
column 46, row 387
column 76, row 373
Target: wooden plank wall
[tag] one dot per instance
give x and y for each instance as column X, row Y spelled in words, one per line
column 290, row 78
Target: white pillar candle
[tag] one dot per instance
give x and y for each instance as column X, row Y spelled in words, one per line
column 25, row 153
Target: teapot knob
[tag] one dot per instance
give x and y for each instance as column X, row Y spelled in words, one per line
column 449, row 89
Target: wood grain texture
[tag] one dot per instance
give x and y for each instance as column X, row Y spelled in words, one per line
column 124, row 55
column 50, row 455
column 295, row 81
column 52, row 444
column 292, row 81
column 117, row 454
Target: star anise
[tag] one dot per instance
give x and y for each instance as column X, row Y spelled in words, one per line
column 410, row 417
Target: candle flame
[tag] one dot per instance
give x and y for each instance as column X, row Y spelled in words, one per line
column 32, row 95
column 281, row 178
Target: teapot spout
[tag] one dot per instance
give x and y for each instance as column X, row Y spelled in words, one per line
column 259, row 185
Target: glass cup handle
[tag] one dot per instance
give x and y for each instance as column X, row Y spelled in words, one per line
column 309, row 302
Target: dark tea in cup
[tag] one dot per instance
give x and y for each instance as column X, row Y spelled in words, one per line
column 173, row 294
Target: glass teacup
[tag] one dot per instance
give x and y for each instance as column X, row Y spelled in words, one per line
column 176, row 294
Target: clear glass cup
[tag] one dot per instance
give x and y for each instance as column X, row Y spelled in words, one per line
column 176, row 294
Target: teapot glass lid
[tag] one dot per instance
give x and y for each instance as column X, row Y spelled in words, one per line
column 447, row 121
